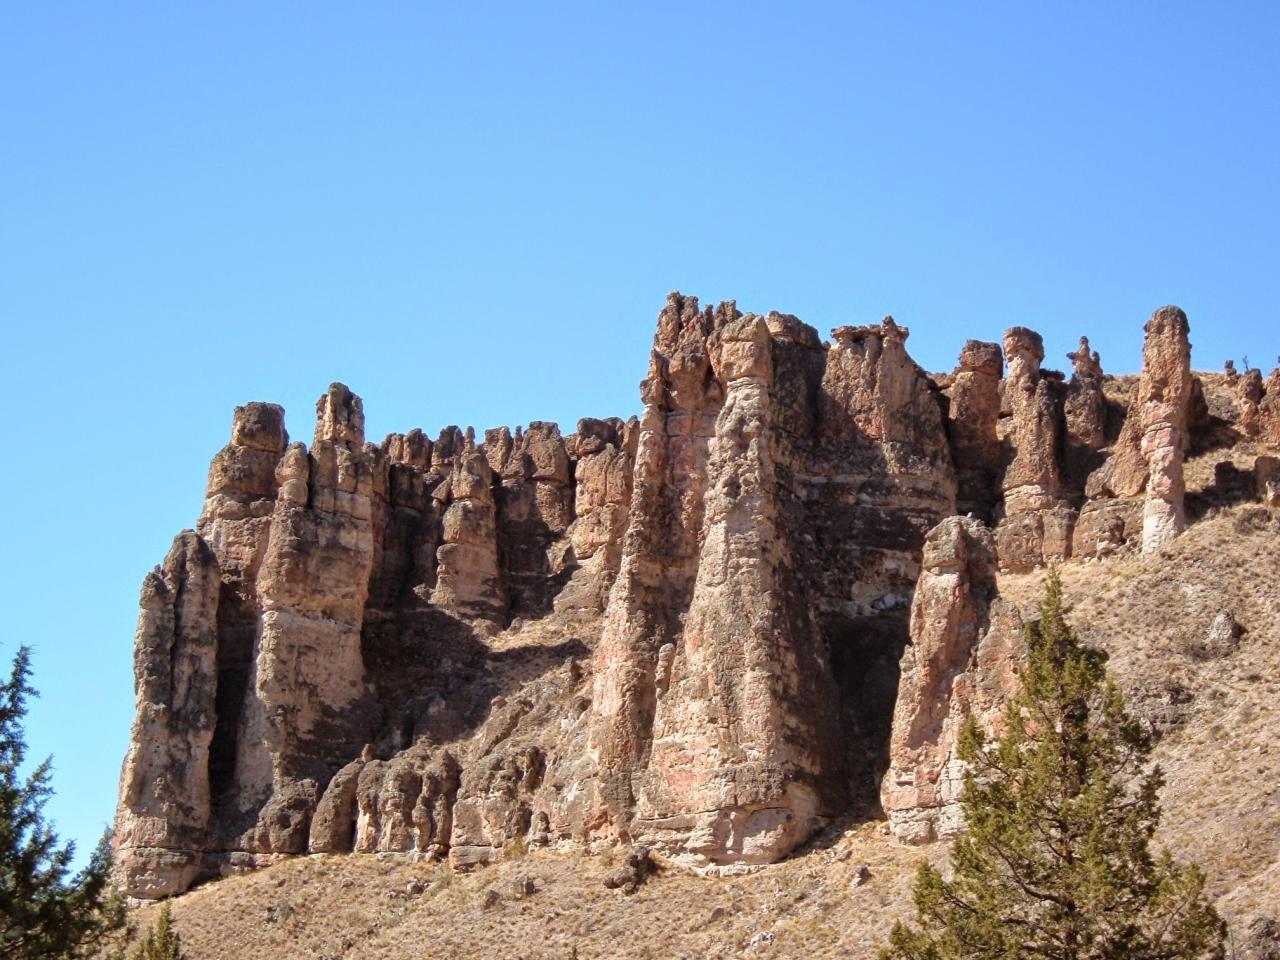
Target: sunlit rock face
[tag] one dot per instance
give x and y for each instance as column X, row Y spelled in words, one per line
column 966, row 644
column 684, row 629
column 782, row 491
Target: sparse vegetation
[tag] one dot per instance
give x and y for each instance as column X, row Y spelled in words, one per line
column 1061, row 810
column 162, row 941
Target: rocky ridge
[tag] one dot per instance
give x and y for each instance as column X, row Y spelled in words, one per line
column 766, row 604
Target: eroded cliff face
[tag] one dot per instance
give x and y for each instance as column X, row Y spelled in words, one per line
column 684, row 630
column 966, row 645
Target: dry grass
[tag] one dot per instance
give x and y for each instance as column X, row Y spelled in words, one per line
column 357, row 908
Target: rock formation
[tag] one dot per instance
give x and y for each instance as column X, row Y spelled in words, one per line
column 974, row 415
column 1085, row 412
column 1035, row 520
column 1249, row 393
column 718, row 696
column 962, row 661
column 1146, row 459
column 1269, row 409
column 165, row 784
column 684, row 630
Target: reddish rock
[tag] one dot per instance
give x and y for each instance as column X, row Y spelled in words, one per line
column 161, row 828
column 1269, row 410
column 683, row 629
column 974, row 413
column 1249, row 394
column 1146, row 460
column 1085, row 415
column 1035, row 522
column 963, row 661
column 720, row 720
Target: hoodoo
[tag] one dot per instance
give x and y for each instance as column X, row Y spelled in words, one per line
column 767, row 603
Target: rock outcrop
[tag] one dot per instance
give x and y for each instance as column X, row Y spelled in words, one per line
column 165, row 799
column 1146, row 460
column 1085, row 413
column 707, row 630
column 974, row 414
column 1269, row 409
column 772, row 545
column 1249, row 393
column 1035, row 520
column 963, row 661
column 332, row 605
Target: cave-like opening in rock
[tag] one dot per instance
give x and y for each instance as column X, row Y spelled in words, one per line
column 864, row 664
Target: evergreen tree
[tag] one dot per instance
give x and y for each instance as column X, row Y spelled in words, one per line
column 44, row 912
column 1061, row 810
column 162, row 941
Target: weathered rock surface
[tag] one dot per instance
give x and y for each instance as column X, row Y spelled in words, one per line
column 683, row 631
column 1249, row 394
column 161, row 828
column 331, row 606
column 1085, row 413
column 963, row 660
column 1035, row 521
column 723, row 669
column 1269, row 409
column 1266, row 472
column 974, row 415
column 1146, row 460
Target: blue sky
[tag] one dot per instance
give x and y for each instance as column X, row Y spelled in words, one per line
column 471, row 213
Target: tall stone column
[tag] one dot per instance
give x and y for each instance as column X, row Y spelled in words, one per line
column 160, row 829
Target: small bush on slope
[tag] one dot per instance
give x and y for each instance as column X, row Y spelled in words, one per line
column 1061, row 811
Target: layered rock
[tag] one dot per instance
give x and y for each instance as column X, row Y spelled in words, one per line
column 1035, row 520
column 963, row 661
column 743, row 731
column 1164, row 391
column 603, row 452
column 469, row 582
column 235, row 522
column 310, row 700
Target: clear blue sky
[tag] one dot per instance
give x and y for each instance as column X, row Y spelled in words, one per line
column 471, row 213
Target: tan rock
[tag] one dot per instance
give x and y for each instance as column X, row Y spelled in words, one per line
column 1249, row 394
column 974, row 412
column 1085, row 416
column 1147, row 458
column 1266, row 473
column 1035, row 522
column 468, row 581
column 728, row 785
column 716, row 746
column 309, row 699
column 1165, row 392
column 1269, row 410
column 165, row 802
column 962, row 661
